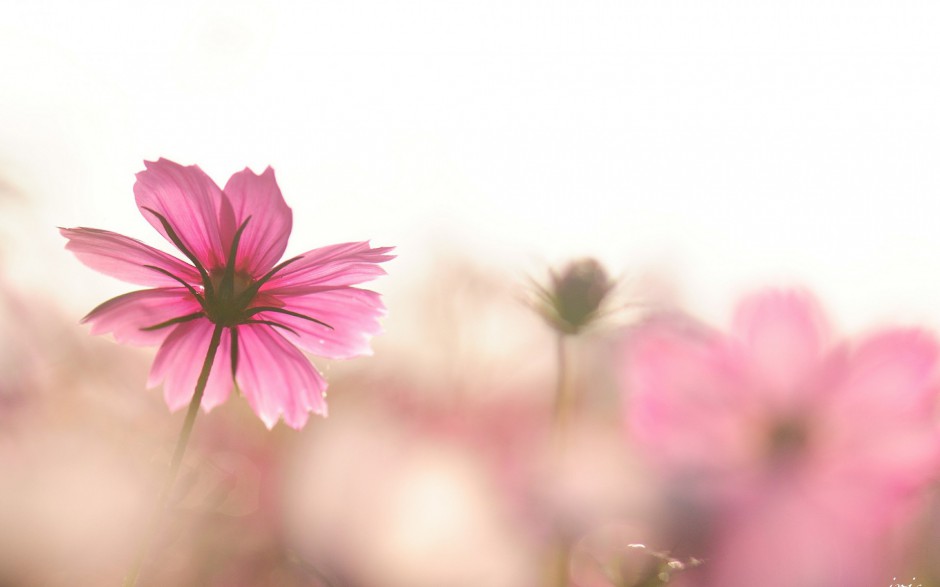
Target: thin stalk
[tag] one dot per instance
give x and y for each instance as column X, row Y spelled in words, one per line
column 131, row 579
column 563, row 395
column 560, row 569
column 561, row 547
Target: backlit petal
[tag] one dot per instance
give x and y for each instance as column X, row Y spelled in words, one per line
column 190, row 201
column 125, row 258
column 353, row 313
column 276, row 378
column 893, row 371
column 265, row 237
column 332, row 266
column 220, row 383
column 127, row 315
column 782, row 337
column 889, row 385
column 179, row 362
column 686, row 406
column 819, row 546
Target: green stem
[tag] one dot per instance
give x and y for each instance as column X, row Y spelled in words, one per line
column 131, row 579
column 563, row 399
column 561, row 547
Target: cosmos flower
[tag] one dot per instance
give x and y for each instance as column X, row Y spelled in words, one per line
column 233, row 293
column 793, row 454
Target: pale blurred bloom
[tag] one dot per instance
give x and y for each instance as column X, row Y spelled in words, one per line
column 233, row 292
column 798, row 454
column 594, row 480
column 401, row 506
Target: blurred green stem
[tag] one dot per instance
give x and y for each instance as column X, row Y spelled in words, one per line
column 561, row 549
column 563, row 399
column 131, row 579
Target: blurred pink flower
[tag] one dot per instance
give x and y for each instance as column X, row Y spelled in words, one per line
column 800, row 454
column 233, row 238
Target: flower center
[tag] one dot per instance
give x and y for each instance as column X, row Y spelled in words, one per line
column 787, row 440
column 226, row 293
column 226, row 302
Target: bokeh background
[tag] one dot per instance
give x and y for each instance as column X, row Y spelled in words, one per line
column 697, row 149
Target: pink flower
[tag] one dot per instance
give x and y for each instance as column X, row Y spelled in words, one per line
column 233, row 239
column 799, row 454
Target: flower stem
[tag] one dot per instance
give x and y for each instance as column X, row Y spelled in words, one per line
column 131, row 579
column 561, row 547
column 563, row 399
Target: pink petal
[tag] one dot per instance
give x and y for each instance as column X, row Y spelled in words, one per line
column 790, row 539
column 190, row 201
column 276, row 378
column 353, row 313
column 125, row 258
column 783, row 337
column 327, row 267
column 179, row 362
column 882, row 416
column 265, row 237
column 125, row 316
column 893, row 372
column 686, row 407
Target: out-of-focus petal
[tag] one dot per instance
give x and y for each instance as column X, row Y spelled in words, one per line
column 785, row 540
column 332, row 266
column 882, row 418
column 893, row 371
column 265, row 237
column 190, row 201
column 124, row 258
column 685, row 406
column 276, row 378
column 127, row 315
column 179, row 362
column 849, row 441
column 353, row 313
column 783, row 336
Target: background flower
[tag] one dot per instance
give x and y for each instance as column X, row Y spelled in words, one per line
column 778, row 443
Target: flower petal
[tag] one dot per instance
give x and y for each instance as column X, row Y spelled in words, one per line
column 127, row 315
column 190, row 201
column 783, row 337
column 687, row 407
column 353, row 314
column 894, row 371
column 276, row 378
column 179, row 362
column 821, row 545
column 329, row 267
column 125, row 258
column 265, row 238
column 890, row 385
column 220, row 383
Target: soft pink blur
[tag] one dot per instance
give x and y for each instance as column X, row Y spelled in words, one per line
column 789, row 457
column 437, row 447
column 438, row 465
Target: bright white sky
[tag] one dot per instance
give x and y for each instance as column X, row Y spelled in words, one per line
column 729, row 144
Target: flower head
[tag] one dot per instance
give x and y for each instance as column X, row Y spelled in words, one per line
column 801, row 452
column 574, row 298
column 233, row 286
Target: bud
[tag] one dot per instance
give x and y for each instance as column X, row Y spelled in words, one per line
column 575, row 297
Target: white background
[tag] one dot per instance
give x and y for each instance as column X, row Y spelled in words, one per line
column 727, row 145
